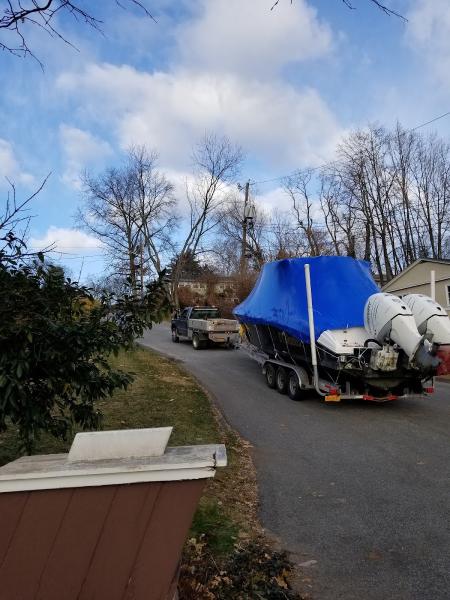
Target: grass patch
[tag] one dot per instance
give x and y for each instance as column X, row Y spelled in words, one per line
column 225, row 533
column 218, row 530
column 161, row 394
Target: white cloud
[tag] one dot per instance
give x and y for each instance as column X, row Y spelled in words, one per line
column 170, row 111
column 275, row 200
column 10, row 167
column 226, row 76
column 244, row 36
column 428, row 33
column 80, row 148
column 66, row 240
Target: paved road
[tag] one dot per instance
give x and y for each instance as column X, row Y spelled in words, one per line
column 361, row 488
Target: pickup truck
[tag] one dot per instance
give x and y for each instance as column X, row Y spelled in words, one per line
column 203, row 325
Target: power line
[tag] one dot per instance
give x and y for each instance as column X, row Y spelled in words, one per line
column 432, row 121
column 73, row 248
column 79, row 257
column 328, row 164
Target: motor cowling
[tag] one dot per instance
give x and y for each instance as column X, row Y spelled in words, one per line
column 387, row 317
column 432, row 321
column 430, row 317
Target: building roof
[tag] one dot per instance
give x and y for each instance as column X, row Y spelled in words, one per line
column 214, row 279
column 443, row 261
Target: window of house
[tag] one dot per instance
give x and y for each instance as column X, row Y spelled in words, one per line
column 448, row 294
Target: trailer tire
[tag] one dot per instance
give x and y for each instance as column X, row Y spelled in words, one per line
column 270, row 374
column 196, row 343
column 175, row 337
column 282, row 380
column 293, row 387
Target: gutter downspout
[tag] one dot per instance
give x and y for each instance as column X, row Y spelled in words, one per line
column 312, row 337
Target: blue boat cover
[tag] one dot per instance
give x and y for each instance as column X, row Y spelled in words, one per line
column 340, row 287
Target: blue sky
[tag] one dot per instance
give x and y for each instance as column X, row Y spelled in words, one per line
column 286, row 84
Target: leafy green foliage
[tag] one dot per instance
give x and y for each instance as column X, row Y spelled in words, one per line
column 55, row 341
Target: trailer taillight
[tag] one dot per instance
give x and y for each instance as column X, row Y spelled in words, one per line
column 429, row 390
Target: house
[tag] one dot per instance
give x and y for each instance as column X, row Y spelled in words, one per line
column 196, row 287
column 417, row 279
column 201, row 287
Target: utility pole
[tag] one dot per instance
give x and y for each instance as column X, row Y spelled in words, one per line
column 243, row 266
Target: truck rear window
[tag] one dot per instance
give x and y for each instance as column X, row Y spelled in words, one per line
column 202, row 313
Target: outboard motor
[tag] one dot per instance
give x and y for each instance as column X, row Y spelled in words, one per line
column 387, row 317
column 432, row 321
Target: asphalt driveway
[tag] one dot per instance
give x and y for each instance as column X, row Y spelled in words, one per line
column 359, row 492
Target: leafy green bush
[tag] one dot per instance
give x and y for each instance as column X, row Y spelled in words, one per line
column 55, row 340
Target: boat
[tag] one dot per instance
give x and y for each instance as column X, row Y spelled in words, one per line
column 322, row 323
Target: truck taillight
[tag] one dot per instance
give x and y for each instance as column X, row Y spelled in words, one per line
column 429, row 390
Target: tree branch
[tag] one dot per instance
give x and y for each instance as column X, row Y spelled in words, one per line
column 16, row 15
column 388, row 11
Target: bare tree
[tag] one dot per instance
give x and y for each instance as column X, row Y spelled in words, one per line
column 14, row 225
column 297, row 187
column 230, row 237
column 216, row 165
column 155, row 209
column 283, row 238
column 431, row 178
column 386, row 198
column 339, row 215
column 110, row 214
column 18, row 15
column 131, row 211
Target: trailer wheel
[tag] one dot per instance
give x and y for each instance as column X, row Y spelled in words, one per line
column 196, row 343
column 281, row 380
column 175, row 337
column 293, row 387
column 270, row 376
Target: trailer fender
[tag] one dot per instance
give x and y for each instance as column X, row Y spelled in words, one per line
column 302, row 377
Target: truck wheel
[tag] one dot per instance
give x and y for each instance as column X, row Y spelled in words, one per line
column 196, row 343
column 293, row 387
column 270, row 375
column 175, row 337
column 282, row 380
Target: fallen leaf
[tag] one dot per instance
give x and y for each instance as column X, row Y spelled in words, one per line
column 308, row 563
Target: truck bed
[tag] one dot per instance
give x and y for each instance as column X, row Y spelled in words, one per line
column 214, row 325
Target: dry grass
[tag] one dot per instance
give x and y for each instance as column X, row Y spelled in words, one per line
column 226, row 523
column 163, row 394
